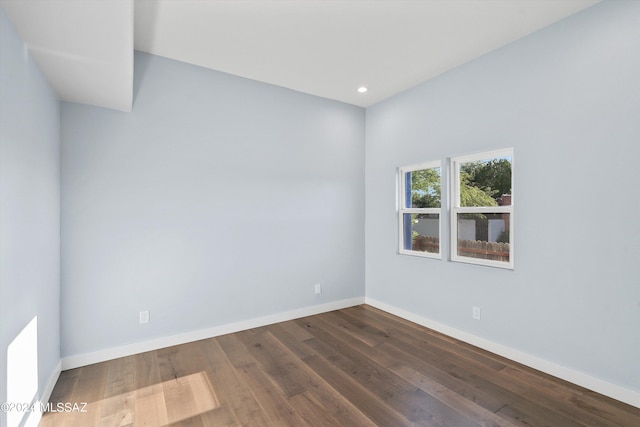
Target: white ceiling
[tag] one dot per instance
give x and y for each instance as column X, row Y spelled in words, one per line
column 322, row 47
column 84, row 47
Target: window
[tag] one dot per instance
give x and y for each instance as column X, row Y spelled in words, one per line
column 482, row 209
column 420, row 209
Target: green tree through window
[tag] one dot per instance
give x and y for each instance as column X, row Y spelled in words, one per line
column 483, row 182
column 425, row 188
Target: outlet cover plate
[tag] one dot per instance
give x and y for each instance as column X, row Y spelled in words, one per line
column 144, row 317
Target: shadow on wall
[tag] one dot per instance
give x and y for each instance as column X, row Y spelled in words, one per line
column 150, row 9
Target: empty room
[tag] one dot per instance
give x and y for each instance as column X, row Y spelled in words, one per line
column 319, row 213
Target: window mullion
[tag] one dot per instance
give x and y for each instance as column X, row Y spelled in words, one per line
column 484, row 209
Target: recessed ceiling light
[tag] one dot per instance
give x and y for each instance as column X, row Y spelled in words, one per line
column 362, row 89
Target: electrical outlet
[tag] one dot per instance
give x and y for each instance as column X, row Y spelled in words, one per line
column 144, row 317
column 318, row 288
column 475, row 313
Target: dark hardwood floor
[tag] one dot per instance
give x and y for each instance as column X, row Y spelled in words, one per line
column 353, row 367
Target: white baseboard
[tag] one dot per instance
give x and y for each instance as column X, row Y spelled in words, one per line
column 34, row 417
column 79, row 360
column 598, row 385
column 582, row 379
column 51, row 383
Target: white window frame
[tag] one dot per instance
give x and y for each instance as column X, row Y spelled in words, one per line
column 402, row 210
column 454, row 168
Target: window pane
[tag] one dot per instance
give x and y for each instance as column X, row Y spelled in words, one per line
column 422, row 188
column 484, row 236
column 422, row 232
column 486, row 182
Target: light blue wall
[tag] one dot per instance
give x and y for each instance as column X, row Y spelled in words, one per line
column 567, row 98
column 221, row 199
column 29, row 207
column 217, row 200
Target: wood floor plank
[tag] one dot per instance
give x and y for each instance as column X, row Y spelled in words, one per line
column 423, row 410
column 535, row 417
column 319, row 411
column 399, row 327
column 320, row 404
column 427, row 339
column 435, row 357
column 63, row 389
column 293, row 329
column 189, row 422
column 294, row 340
column 265, row 389
column 356, row 367
column 486, row 388
column 83, row 419
column 167, row 367
column 118, row 410
column 65, row 385
column 119, row 396
column 235, row 350
column 150, row 409
column 360, row 367
column 360, row 330
column 483, row 379
column 221, row 416
column 229, row 388
column 348, row 335
column 283, row 367
column 596, row 409
column 490, row 399
column 147, row 371
column 91, row 384
column 185, row 386
column 369, row 404
column 374, row 315
column 313, row 414
column 451, row 398
column 274, row 403
column 88, row 392
column 188, row 396
column 120, row 377
column 517, row 385
column 280, row 360
column 515, row 400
